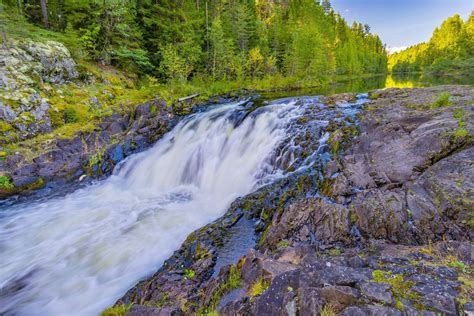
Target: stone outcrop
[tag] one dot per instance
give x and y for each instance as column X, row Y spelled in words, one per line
column 24, row 67
column 382, row 228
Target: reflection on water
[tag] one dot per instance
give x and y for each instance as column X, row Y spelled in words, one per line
column 420, row 80
column 360, row 85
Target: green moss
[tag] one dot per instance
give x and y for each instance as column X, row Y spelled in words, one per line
column 70, row 115
column 263, row 237
column 459, row 265
column 374, row 96
column 189, row 274
column 442, row 100
column 118, row 310
column 258, row 287
column 96, row 159
column 201, row 252
column 265, row 215
column 334, row 252
column 461, row 132
column 400, row 287
column 6, row 183
column 5, row 127
column 232, row 282
column 458, row 113
column 282, row 244
column 353, row 217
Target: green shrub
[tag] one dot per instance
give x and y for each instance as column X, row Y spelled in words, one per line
column 258, row 287
column 189, row 273
column 458, row 113
column 70, row 115
column 461, row 132
column 442, row 100
column 6, row 183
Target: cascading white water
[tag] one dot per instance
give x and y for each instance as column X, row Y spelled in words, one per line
column 75, row 255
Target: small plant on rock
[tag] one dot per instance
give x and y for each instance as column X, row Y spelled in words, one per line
column 328, row 310
column 258, row 287
column 70, row 115
column 119, row 310
column 6, row 183
column 442, row 100
column 189, row 273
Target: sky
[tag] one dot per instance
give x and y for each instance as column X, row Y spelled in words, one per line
column 401, row 23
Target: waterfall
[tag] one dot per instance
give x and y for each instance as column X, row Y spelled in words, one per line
column 76, row 254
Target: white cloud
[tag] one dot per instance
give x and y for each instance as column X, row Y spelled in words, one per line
column 396, row 49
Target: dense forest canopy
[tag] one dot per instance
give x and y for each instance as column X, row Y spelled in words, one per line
column 221, row 39
column 450, row 48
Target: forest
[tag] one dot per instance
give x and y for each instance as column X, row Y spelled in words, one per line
column 450, row 49
column 213, row 40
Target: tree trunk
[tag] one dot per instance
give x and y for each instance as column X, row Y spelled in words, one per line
column 44, row 12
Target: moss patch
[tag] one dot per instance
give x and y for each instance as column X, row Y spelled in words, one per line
column 442, row 100
column 400, row 287
column 258, row 287
column 6, row 183
column 119, row 310
column 232, row 282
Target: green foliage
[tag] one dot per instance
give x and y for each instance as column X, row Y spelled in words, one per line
column 442, row 100
column 374, row 96
column 328, row 310
column 6, row 183
column 96, row 159
column 232, row 282
column 189, row 273
column 461, row 132
column 5, row 126
column 400, row 287
column 259, row 286
column 282, row 244
column 227, row 40
column 458, row 265
column 450, row 49
column 70, row 115
column 458, row 113
column 118, row 310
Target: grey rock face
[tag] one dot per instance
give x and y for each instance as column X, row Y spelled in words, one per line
column 25, row 66
column 379, row 292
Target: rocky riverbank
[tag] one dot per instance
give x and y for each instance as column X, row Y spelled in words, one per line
column 380, row 225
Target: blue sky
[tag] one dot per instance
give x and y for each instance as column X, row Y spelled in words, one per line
column 402, row 22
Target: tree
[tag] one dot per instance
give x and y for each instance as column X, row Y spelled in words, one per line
column 44, row 12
